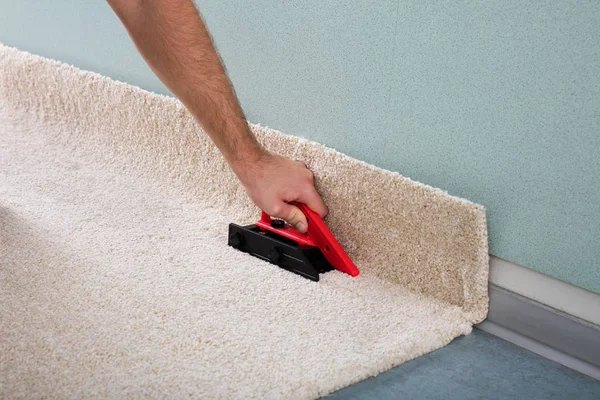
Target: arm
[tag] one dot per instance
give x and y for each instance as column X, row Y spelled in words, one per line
column 174, row 41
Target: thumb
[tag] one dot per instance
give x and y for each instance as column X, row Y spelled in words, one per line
column 293, row 216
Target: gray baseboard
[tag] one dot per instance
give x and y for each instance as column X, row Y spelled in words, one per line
column 544, row 330
column 544, row 289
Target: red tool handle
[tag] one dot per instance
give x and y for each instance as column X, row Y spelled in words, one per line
column 287, row 231
column 330, row 247
column 318, row 235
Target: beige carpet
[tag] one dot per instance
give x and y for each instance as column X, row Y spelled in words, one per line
column 115, row 277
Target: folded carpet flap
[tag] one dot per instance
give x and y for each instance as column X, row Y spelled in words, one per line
column 395, row 228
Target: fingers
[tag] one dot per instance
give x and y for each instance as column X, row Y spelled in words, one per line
column 288, row 181
column 293, row 216
column 312, row 199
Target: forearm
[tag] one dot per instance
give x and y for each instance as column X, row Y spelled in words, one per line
column 175, row 43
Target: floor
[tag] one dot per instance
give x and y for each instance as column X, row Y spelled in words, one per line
column 475, row 367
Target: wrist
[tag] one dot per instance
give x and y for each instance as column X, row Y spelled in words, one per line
column 246, row 160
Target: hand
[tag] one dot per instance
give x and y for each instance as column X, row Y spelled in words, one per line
column 272, row 182
column 203, row 87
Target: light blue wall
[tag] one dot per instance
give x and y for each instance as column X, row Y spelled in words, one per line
column 496, row 101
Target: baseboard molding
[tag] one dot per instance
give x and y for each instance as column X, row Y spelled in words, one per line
column 540, row 349
column 544, row 330
column 552, row 292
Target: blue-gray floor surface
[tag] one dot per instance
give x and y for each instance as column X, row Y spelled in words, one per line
column 478, row 366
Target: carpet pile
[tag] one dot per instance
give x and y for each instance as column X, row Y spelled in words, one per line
column 115, row 276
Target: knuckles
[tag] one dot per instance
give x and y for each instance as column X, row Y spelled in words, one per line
column 275, row 210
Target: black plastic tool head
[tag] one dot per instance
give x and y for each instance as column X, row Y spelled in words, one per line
column 307, row 261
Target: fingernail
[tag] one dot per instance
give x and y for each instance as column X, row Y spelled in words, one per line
column 301, row 226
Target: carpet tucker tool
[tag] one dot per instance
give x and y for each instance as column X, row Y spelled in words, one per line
column 307, row 254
